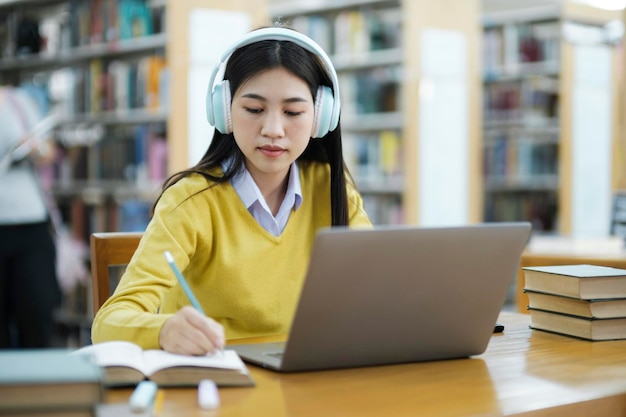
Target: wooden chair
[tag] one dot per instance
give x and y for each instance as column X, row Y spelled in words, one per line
column 109, row 249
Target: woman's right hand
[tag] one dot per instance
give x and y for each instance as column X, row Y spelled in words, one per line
column 189, row 332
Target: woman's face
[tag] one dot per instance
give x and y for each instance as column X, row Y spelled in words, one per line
column 272, row 116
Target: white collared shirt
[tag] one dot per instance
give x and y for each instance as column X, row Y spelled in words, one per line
column 250, row 194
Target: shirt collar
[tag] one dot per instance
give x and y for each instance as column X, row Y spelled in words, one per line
column 249, row 192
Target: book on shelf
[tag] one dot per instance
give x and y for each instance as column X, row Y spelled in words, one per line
column 581, row 327
column 134, row 215
column 510, row 45
column 316, row 27
column 599, row 308
column 126, row 363
column 46, row 382
column 587, row 282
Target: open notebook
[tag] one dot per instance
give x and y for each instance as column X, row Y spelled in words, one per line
column 397, row 294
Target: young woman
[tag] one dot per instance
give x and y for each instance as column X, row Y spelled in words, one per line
column 241, row 223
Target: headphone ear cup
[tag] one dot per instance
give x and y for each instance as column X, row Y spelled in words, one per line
column 324, row 103
column 220, row 99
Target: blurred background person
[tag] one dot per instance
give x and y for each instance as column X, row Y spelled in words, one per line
column 29, row 289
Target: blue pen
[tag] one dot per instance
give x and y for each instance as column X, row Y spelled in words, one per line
column 183, row 282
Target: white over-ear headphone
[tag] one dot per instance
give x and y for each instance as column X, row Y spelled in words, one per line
column 327, row 105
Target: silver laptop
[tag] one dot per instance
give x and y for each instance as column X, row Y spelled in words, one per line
column 397, row 294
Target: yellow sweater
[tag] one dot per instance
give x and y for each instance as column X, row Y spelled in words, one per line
column 243, row 276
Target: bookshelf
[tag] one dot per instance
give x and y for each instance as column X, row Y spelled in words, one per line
column 396, row 95
column 114, row 70
column 550, row 125
column 126, row 79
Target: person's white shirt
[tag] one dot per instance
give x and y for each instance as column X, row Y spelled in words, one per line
column 253, row 199
column 21, row 198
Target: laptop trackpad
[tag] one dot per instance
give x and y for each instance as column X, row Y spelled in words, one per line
column 265, row 354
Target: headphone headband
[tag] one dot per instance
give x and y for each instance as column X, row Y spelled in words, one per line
column 279, row 34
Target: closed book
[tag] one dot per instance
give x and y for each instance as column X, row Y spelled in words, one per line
column 599, row 308
column 581, row 327
column 40, row 381
column 126, row 363
column 587, row 282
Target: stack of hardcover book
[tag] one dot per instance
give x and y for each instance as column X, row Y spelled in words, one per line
column 48, row 383
column 585, row 301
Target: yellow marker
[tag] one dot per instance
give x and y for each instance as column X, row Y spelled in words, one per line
column 158, row 403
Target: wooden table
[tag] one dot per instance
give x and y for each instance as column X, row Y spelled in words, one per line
column 523, row 372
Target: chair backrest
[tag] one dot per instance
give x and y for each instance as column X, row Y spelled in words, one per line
column 109, row 249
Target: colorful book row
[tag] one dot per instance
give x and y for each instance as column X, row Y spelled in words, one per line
column 353, row 31
column 506, row 48
column 115, row 85
column 520, row 158
column 137, row 155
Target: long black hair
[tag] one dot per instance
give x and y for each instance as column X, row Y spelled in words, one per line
column 246, row 62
